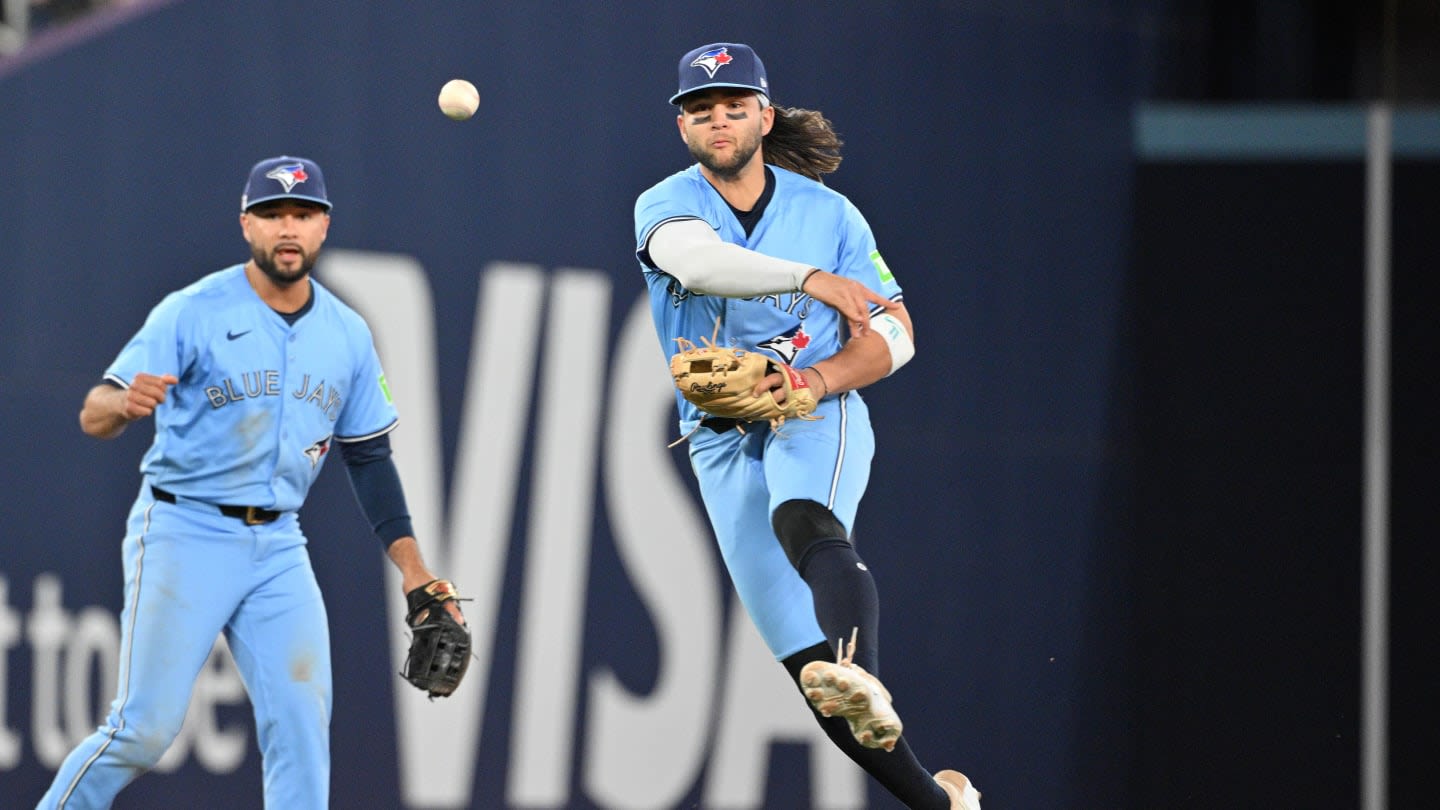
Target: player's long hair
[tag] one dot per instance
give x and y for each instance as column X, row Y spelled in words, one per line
column 803, row 141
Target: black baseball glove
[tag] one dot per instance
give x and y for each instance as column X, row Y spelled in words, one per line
column 439, row 645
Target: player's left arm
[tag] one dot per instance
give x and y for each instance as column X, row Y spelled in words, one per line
column 867, row 358
column 887, row 340
column 370, row 463
column 376, row 483
column 405, row 553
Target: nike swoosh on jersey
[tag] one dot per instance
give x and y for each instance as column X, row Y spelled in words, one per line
column 234, row 335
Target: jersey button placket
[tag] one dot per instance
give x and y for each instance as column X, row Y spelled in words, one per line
column 292, row 384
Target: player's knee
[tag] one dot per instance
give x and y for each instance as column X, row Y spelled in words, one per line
column 139, row 746
column 802, row 525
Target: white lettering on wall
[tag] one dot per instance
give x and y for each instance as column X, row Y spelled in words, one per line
column 74, row 667
column 646, row 750
column 46, row 631
column 557, row 548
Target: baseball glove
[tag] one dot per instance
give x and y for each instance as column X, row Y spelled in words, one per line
column 439, row 645
column 722, row 381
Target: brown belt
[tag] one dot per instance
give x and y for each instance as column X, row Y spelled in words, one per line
column 252, row 515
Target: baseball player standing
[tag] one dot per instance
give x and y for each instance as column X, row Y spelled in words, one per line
column 748, row 242
column 252, row 375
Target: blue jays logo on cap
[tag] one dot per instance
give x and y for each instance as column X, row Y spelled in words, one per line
column 284, row 178
column 713, row 59
column 289, row 175
column 721, row 64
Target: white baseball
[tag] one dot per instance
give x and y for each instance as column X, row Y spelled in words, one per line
column 459, row 99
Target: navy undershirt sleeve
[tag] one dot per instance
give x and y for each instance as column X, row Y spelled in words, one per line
column 377, row 487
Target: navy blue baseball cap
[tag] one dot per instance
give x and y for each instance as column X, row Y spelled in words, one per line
column 284, row 178
column 721, row 64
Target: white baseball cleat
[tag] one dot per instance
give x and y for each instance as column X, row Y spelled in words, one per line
column 847, row 690
column 963, row 795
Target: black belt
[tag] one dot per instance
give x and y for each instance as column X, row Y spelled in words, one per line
column 252, row 515
column 719, row 424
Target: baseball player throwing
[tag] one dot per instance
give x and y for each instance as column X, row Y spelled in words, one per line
column 746, row 250
column 252, row 375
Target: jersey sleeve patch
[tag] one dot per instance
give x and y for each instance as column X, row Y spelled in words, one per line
column 385, row 389
column 880, row 266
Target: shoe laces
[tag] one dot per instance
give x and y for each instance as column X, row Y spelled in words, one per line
column 844, row 657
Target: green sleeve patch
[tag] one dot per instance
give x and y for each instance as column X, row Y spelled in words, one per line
column 881, row 266
column 385, row 389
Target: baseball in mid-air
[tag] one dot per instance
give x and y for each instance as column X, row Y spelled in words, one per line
column 459, row 99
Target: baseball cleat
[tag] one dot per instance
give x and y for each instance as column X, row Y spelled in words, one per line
column 846, row 690
column 963, row 795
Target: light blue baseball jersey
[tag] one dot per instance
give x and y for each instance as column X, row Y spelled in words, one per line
column 805, row 221
column 259, row 400
column 745, row 476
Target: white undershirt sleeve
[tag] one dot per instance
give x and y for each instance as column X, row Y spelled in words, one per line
column 691, row 251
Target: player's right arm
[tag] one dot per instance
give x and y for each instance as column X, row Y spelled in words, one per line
column 696, row 256
column 108, row 410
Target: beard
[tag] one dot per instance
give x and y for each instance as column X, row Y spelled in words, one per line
column 282, row 278
column 744, row 150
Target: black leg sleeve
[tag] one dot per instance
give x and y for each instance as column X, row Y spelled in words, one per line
column 843, row 589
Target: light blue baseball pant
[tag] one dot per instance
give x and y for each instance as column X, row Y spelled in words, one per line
column 744, row 477
column 190, row 574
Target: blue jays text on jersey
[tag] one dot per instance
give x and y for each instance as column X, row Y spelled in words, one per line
column 249, row 377
column 266, row 383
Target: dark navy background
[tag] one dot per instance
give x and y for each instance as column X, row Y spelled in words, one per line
column 1116, row 504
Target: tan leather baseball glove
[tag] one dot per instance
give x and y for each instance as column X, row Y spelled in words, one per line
column 721, row 382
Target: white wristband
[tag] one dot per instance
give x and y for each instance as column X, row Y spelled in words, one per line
column 897, row 338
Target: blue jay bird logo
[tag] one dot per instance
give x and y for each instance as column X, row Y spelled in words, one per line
column 712, row 60
column 317, row 451
column 289, row 175
column 787, row 346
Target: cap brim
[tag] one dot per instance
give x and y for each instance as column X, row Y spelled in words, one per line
column 711, row 85
column 301, row 197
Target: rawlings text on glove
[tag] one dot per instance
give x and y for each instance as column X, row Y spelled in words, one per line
column 722, row 381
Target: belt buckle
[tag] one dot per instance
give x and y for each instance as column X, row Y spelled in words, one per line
column 251, row 519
